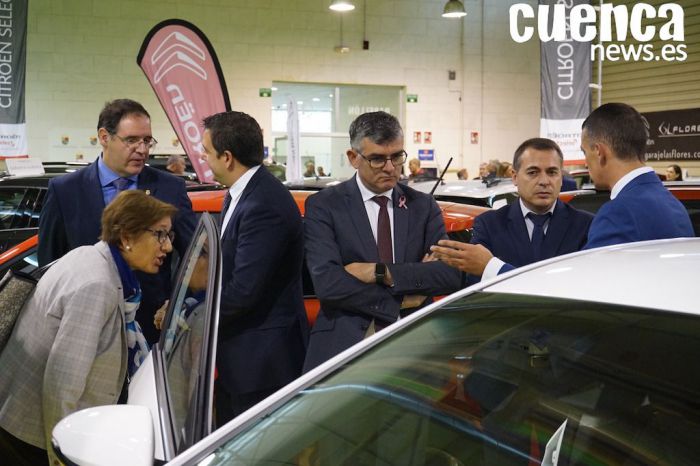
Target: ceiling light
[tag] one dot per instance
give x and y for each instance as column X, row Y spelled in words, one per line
column 316, row 99
column 341, row 5
column 454, row 9
column 273, row 88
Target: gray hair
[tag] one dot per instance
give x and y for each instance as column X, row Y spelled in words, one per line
column 379, row 127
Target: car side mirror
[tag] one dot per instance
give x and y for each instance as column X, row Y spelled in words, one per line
column 106, row 435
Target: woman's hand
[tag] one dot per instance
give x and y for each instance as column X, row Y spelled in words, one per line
column 160, row 314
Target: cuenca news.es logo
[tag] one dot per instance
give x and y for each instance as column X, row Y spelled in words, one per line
column 586, row 23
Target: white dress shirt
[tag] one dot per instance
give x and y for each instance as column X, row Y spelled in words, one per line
column 622, row 182
column 236, row 190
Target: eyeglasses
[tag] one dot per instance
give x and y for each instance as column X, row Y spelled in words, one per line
column 133, row 142
column 162, row 235
column 397, row 159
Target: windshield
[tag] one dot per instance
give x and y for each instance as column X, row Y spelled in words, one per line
column 491, row 380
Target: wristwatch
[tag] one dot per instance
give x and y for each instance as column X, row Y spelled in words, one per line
column 379, row 273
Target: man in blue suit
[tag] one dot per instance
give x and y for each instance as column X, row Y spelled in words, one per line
column 263, row 329
column 614, row 140
column 366, row 243
column 537, row 227
column 72, row 212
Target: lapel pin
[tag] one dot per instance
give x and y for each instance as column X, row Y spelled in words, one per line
column 402, row 203
column 148, row 192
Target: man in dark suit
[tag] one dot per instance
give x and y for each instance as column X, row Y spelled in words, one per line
column 366, row 241
column 263, row 330
column 614, row 140
column 72, row 212
column 537, row 227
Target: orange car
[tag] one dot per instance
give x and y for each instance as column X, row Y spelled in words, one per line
column 459, row 219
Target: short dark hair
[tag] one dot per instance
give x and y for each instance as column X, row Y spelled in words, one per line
column 621, row 127
column 537, row 144
column 131, row 212
column 238, row 133
column 379, row 127
column 116, row 110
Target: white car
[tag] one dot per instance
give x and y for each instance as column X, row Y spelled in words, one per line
column 589, row 358
column 496, row 193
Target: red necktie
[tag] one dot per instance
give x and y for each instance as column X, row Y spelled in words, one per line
column 384, row 247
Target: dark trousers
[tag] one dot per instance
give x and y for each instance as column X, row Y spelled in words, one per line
column 16, row 452
column 229, row 405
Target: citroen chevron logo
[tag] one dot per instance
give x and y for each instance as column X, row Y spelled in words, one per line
column 176, row 51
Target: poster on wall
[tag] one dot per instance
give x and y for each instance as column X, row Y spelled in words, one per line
column 673, row 135
column 426, row 155
column 182, row 67
column 13, row 54
column 565, row 72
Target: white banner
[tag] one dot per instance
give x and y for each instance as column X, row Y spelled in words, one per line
column 567, row 133
column 13, row 140
column 293, row 156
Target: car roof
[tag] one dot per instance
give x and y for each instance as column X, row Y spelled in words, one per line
column 657, row 274
column 41, row 181
column 467, row 188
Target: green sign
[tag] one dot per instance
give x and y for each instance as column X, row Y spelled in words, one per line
column 265, row 92
column 411, row 98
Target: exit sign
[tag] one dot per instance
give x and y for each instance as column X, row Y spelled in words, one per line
column 265, row 92
column 412, row 98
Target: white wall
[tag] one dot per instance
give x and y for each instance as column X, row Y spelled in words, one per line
column 83, row 52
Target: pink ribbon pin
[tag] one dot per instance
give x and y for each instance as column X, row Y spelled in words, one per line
column 402, row 202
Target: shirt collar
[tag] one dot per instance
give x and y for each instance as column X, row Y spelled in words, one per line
column 237, row 188
column 107, row 175
column 367, row 194
column 526, row 211
column 622, row 182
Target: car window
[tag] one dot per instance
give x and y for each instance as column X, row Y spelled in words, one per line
column 497, row 379
column 10, row 202
column 186, row 340
column 590, row 202
column 693, row 208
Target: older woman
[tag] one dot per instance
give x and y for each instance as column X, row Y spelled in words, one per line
column 76, row 344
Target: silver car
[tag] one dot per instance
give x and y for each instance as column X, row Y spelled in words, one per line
column 588, row 358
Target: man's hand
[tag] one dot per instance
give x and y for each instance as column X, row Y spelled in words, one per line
column 412, row 300
column 469, row 258
column 363, row 271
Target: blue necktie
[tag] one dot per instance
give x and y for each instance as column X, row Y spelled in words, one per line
column 538, row 233
column 120, row 184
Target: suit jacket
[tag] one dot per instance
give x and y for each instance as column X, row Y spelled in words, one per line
column 68, row 349
column 71, row 217
column 643, row 210
column 504, row 233
column 338, row 233
column 263, row 331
